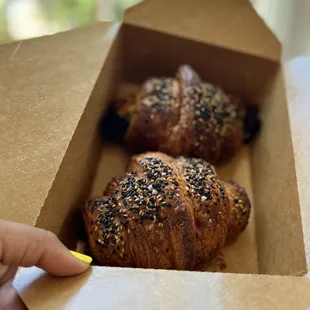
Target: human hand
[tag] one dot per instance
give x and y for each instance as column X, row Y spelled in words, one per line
column 25, row 246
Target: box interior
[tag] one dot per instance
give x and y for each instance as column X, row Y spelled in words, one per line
column 273, row 241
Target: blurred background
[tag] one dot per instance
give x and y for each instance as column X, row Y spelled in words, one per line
column 23, row 19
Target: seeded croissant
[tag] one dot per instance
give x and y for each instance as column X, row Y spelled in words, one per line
column 183, row 116
column 165, row 213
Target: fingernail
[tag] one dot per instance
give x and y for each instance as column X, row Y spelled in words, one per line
column 85, row 258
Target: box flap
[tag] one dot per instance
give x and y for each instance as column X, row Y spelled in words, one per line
column 232, row 24
column 113, row 288
column 45, row 84
column 291, row 24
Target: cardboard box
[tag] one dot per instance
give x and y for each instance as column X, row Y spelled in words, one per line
column 56, row 91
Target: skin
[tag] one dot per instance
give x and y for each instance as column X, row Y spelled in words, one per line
column 25, row 246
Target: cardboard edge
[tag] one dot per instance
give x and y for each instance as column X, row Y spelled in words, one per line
column 297, row 79
column 154, row 289
column 294, row 236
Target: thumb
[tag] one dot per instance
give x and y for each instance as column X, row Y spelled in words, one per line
column 26, row 246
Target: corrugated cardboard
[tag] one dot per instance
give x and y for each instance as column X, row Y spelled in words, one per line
column 52, row 155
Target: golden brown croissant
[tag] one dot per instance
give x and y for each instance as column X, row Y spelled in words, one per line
column 165, row 213
column 183, row 116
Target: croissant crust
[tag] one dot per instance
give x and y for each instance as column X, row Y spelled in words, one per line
column 165, row 213
column 185, row 116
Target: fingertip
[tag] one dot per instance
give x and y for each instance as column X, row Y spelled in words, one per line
column 58, row 260
column 76, row 263
column 84, row 258
column 27, row 246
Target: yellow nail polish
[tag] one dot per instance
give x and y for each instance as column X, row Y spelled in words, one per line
column 86, row 259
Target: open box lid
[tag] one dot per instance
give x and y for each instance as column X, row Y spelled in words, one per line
column 232, row 24
column 73, row 68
